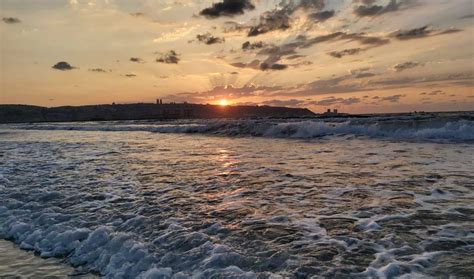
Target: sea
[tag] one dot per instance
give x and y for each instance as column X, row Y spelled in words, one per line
column 382, row 196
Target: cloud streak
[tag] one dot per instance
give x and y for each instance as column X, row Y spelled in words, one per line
column 405, row 66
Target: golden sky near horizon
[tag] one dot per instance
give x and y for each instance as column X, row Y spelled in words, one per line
column 354, row 55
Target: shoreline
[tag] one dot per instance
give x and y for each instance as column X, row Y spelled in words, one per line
column 18, row 263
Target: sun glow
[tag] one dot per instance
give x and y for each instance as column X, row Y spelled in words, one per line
column 223, row 102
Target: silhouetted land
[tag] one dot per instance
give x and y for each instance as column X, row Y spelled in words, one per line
column 27, row 113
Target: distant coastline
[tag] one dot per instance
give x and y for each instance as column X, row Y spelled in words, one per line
column 142, row 111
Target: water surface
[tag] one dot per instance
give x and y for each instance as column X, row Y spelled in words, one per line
column 139, row 202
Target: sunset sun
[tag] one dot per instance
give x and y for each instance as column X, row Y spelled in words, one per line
column 223, row 102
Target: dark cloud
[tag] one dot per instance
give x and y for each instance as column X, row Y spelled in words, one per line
column 258, row 65
column 368, row 9
column 276, row 66
column 63, row 66
column 271, row 21
column 275, row 53
column 412, row 33
column 137, row 14
column 421, row 32
column 405, row 66
column 227, row 8
column 11, row 20
column 130, row 75
column 306, row 5
column 255, row 45
column 169, row 57
column 345, row 52
column 322, row 16
column 362, row 38
column 137, row 60
column 364, row 10
column 364, row 75
column 98, row 70
column 393, row 98
column 280, row 18
column 209, row 39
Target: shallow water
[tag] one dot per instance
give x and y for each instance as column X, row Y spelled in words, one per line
column 133, row 203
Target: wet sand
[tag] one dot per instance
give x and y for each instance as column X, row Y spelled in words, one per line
column 17, row 263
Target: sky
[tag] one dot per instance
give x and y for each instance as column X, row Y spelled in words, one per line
column 359, row 56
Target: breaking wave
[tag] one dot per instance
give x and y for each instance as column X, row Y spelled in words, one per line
column 451, row 129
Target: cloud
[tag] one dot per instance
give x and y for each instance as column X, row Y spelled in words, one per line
column 345, row 52
column 130, row 75
column 362, row 38
column 63, row 66
column 469, row 16
column 169, row 57
column 365, row 2
column 98, row 70
column 322, row 16
column 364, row 75
column 223, row 92
column 11, row 20
column 227, row 8
column 367, row 9
column 436, row 92
column 329, row 101
column 405, row 66
column 393, row 98
column 209, row 39
column 137, row 60
column 137, row 14
column 412, row 33
column 250, row 46
column 271, row 21
column 306, row 5
column 421, row 32
column 284, row 103
column 275, row 53
column 276, row 66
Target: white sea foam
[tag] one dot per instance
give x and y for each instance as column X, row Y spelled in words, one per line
column 397, row 128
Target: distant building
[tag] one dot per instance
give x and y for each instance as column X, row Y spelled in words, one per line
column 334, row 112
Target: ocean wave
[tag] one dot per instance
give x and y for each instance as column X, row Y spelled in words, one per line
column 403, row 129
column 109, row 252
